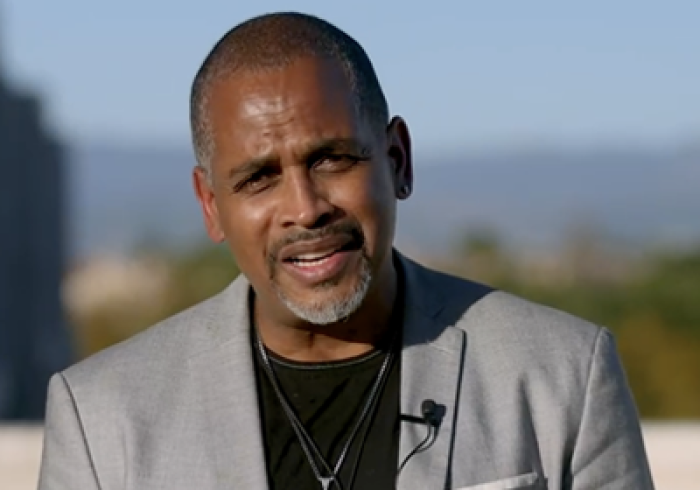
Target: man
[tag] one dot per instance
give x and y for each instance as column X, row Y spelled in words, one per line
column 334, row 362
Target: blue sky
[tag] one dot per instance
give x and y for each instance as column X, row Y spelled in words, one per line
column 464, row 73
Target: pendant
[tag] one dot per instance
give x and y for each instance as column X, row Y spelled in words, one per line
column 325, row 481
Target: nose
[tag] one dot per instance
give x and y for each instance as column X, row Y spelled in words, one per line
column 303, row 204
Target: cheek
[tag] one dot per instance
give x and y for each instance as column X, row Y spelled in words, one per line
column 246, row 228
column 382, row 202
column 372, row 202
column 381, row 223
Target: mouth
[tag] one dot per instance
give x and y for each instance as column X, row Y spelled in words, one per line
column 318, row 261
column 313, row 259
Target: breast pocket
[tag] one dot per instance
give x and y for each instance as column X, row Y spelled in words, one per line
column 529, row 481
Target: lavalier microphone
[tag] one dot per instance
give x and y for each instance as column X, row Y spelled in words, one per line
column 432, row 418
column 431, row 413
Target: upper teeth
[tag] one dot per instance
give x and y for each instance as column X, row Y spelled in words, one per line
column 311, row 256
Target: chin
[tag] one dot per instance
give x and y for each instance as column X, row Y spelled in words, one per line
column 331, row 303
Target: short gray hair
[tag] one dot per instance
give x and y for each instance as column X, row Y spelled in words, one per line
column 274, row 41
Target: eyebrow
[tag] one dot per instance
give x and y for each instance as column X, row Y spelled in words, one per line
column 328, row 145
column 251, row 167
column 323, row 146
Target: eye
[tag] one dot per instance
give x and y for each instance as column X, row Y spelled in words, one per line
column 257, row 182
column 336, row 163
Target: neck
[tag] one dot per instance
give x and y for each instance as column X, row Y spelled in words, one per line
column 367, row 329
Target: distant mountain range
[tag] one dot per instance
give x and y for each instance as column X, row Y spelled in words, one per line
column 123, row 195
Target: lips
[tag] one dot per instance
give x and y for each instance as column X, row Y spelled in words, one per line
column 317, row 261
column 310, row 259
column 315, row 250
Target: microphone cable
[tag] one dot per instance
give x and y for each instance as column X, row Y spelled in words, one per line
column 431, row 419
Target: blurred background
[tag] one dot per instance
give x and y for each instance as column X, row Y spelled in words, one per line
column 557, row 153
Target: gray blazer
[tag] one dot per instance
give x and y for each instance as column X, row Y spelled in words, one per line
column 532, row 398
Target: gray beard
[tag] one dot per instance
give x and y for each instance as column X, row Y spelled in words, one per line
column 331, row 311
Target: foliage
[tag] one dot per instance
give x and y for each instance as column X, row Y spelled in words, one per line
column 653, row 308
column 199, row 275
column 193, row 276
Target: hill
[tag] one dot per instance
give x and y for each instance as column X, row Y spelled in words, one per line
column 123, row 195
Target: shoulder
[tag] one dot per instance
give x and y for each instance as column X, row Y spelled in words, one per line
column 507, row 317
column 519, row 327
column 516, row 346
column 156, row 353
column 501, row 325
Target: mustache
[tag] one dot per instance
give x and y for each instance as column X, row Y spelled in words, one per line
column 351, row 228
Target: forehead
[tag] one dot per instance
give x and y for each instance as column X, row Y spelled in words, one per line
column 257, row 112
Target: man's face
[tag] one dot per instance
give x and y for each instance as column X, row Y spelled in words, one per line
column 303, row 188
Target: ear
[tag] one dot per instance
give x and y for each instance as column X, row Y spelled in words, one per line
column 207, row 201
column 399, row 150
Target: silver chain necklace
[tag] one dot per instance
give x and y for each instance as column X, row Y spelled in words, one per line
column 305, row 440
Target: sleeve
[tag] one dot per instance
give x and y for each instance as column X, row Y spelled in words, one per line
column 609, row 452
column 65, row 463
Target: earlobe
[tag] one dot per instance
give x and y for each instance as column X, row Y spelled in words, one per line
column 216, row 235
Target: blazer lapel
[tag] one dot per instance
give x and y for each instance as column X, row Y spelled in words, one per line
column 431, row 368
column 226, row 380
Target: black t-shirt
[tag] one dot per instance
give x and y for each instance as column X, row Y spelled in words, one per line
column 328, row 398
